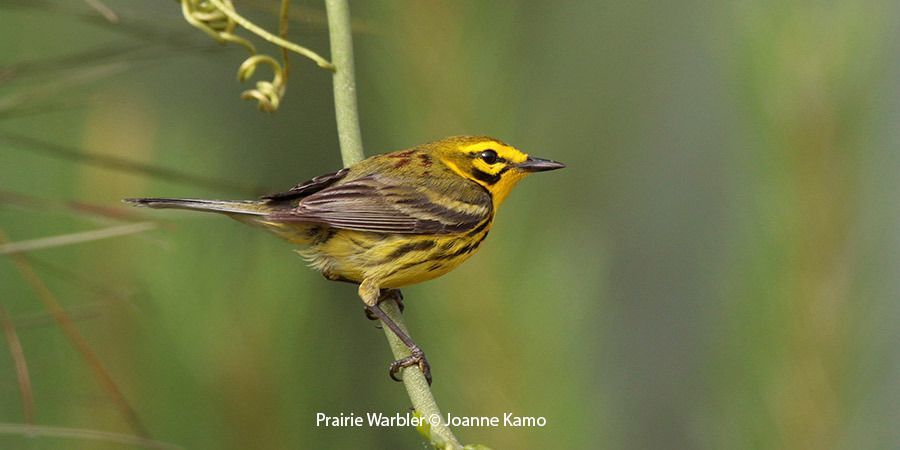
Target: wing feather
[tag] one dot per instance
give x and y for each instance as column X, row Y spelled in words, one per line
column 308, row 187
column 382, row 205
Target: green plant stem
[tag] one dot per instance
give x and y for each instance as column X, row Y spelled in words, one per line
column 352, row 152
column 345, row 109
column 416, row 385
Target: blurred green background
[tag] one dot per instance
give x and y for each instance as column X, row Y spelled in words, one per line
column 716, row 268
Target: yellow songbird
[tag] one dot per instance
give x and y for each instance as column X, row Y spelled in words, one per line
column 391, row 220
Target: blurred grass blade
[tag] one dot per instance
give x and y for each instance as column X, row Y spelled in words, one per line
column 312, row 18
column 52, row 89
column 31, row 70
column 121, row 164
column 75, row 207
column 78, row 341
column 75, row 238
column 100, row 289
column 104, row 10
column 148, row 29
column 33, row 431
column 18, row 356
column 75, row 313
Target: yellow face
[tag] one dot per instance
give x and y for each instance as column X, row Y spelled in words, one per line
column 492, row 164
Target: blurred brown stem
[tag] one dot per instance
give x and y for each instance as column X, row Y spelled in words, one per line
column 18, row 356
column 283, row 20
column 75, row 337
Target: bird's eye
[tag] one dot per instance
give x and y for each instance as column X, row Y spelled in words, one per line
column 488, row 156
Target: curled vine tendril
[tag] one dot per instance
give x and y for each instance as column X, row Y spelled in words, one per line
column 213, row 21
column 219, row 20
column 267, row 94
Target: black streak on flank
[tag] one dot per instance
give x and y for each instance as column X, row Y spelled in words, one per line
column 358, row 243
column 461, row 251
column 409, row 266
column 312, row 232
column 480, row 240
column 479, row 228
column 325, row 235
column 406, row 248
column 434, row 267
column 424, row 159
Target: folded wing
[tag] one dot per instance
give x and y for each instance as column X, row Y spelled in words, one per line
column 378, row 204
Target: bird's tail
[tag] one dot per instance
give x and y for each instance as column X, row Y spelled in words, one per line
column 249, row 212
column 220, row 206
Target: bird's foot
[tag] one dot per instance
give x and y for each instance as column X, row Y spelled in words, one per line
column 416, row 358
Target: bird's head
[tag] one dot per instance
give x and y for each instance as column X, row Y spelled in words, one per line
column 489, row 162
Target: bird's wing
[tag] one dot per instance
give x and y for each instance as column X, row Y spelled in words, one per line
column 307, row 188
column 383, row 205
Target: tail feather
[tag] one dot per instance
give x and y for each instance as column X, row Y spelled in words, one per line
column 249, row 212
column 220, row 206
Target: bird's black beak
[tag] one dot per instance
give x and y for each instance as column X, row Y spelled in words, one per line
column 539, row 165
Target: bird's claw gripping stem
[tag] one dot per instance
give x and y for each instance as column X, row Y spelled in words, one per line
column 416, row 358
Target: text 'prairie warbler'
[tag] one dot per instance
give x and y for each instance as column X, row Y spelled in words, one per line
column 391, row 220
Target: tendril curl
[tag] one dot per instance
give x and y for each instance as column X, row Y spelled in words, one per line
column 267, row 94
column 219, row 20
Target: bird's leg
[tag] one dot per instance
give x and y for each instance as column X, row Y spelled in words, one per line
column 416, row 357
column 372, row 295
column 388, row 294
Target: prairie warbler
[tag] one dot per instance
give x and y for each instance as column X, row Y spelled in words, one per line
column 391, row 220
